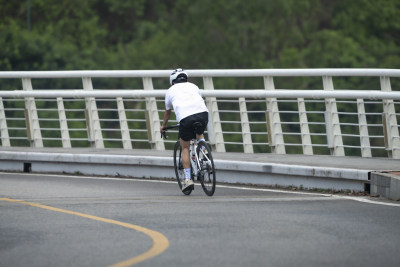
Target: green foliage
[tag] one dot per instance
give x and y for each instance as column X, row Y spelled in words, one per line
column 147, row 34
column 199, row 34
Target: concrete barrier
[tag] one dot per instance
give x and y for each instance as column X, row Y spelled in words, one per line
column 161, row 167
column 386, row 185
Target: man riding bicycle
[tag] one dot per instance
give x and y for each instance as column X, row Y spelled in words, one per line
column 189, row 107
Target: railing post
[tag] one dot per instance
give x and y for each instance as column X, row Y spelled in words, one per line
column 93, row 121
column 31, row 116
column 215, row 134
column 152, row 118
column 363, row 126
column 66, row 141
column 305, row 130
column 274, row 129
column 333, row 133
column 5, row 138
column 390, row 122
column 244, row 120
column 126, row 137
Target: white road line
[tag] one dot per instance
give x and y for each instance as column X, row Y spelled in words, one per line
column 359, row 199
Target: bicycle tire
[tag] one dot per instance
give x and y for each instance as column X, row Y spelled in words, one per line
column 179, row 172
column 207, row 168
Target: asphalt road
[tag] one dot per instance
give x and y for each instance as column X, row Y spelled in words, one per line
column 95, row 221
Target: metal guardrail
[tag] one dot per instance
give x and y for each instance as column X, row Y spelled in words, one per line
column 332, row 122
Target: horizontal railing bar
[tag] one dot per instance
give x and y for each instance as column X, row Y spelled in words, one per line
column 256, row 111
column 139, row 130
column 259, row 133
column 290, row 122
column 136, row 120
column 226, row 132
column 77, row 129
column 319, row 145
column 234, row 122
column 347, row 113
column 110, row 130
column 201, row 73
column 257, row 122
column 233, row 143
column 349, row 146
column 14, row 109
column 229, row 111
column 17, row 128
column 374, row 125
column 49, row 119
column 283, row 93
column 50, row 129
column 318, row 134
column 350, row 124
column 15, row 119
column 292, row 144
column 291, row 133
column 135, row 110
column 112, row 120
column 108, row 109
column 288, row 111
column 351, row 135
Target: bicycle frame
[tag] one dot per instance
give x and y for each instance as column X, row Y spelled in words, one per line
column 194, row 161
column 194, row 158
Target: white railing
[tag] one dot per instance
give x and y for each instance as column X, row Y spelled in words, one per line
column 327, row 121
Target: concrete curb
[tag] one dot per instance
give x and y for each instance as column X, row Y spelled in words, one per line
column 385, row 185
column 162, row 167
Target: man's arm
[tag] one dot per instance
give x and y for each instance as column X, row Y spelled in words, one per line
column 167, row 115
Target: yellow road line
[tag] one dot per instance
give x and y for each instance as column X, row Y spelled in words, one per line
column 160, row 242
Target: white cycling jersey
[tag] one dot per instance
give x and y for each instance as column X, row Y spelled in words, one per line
column 185, row 100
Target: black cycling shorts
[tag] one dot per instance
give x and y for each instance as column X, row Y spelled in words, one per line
column 186, row 130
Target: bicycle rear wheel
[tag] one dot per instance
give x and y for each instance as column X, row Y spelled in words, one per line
column 179, row 172
column 207, row 168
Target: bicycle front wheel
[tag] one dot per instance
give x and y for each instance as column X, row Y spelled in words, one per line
column 207, row 168
column 179, row 172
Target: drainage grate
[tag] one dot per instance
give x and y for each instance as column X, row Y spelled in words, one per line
column 27, row 167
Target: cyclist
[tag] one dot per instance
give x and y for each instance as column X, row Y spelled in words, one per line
column 189, row 107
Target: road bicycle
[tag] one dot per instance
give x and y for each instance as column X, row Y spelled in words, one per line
column 201, row 163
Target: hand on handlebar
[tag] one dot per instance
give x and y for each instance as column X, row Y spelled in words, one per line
column 163, row 130
column 163, row 133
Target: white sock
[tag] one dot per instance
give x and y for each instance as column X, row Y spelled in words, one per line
column 202, row 139
column 187, row 174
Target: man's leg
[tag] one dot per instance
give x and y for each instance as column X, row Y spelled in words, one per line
column 200, row 137
column 188, row 185
column 185, row 153
column 185, row 156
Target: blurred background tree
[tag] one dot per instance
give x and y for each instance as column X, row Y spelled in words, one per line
column 199, row 34
column 151, row 34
